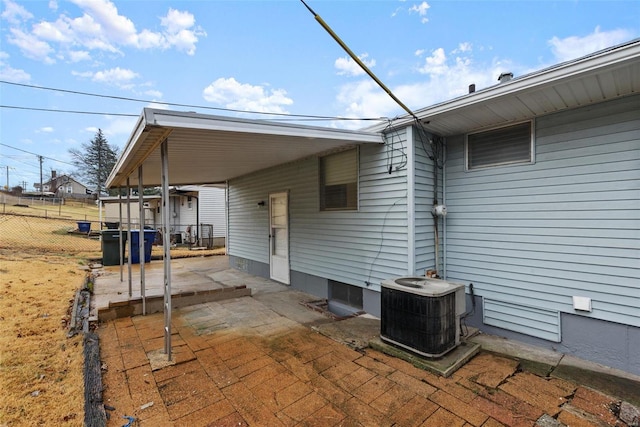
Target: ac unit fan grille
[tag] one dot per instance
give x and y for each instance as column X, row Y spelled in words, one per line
column 422, row 323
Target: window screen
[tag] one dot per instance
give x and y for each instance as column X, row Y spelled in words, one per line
column 502, row 146
column 339, row 181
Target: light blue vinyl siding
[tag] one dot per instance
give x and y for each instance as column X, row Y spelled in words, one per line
column 347, row 246
column 569, row 224
column 524, row 319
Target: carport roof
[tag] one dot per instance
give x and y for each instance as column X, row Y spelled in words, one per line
column 206, row 149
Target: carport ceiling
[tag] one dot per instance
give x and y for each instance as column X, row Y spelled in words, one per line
column 205, row 149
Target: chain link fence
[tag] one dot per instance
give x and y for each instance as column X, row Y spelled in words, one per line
column 73, row 227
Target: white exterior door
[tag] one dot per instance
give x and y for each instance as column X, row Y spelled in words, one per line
column 279, row 237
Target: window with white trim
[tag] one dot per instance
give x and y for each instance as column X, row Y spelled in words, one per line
column 501, row 146
column 339, row 181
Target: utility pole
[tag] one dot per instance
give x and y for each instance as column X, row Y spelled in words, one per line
column 41, row 189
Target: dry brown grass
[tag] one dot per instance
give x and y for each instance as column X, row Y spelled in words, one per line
column 41, row 379
column 40, row 368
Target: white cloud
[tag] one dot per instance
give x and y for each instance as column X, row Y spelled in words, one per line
column 463, row 48
column 31, row 46
column 46, row 129
column 79, row 55
column 419, row 52
column 243, row 96
column 11, row 74
column 347, row 66
column 156, row 94
column 117, row 76
column 444, row 77
column 117, row 127
column 421, row 10
column 15, row 13
column 100, row 27
column 435, row 64
column 574, row 46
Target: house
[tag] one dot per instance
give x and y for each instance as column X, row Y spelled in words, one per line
column 64, row 186
column 189, row 205
column 539, row 177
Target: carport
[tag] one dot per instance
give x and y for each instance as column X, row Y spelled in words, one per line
column 170, row 148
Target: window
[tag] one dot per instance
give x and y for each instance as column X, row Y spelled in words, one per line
column 69, row 189
column 339, row 181
column 507, row 145
column 189, row 203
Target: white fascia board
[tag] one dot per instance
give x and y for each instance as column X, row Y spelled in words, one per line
column 609, row 58
column 165, row 118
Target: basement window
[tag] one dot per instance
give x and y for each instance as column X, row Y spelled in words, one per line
column 339, row 181
column 501, row 146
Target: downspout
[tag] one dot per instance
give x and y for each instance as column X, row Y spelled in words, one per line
column 436, row 237
column 411, row 203
column 226, row 215
column 444, row 202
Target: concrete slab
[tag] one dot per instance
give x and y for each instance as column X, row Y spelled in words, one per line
column 444, row 366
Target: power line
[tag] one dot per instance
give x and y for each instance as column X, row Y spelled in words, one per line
column 129, row 99
column 50, row 110
column 97, row 113
column 38, row 155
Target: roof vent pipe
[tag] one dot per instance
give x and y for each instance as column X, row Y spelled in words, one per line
column 472, row 87
column 505, row 77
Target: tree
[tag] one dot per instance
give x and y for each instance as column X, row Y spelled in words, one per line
column 95, row 161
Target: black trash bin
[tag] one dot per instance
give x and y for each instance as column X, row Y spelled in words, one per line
column 111, row 246
column 111, row 225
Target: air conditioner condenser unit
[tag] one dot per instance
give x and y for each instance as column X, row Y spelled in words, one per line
column 422, row 314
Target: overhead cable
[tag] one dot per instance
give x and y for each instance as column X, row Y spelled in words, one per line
column 174, row 104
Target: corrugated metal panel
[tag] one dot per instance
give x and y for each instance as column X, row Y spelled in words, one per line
column 567, row 225
column 528, row 320
column 347, row 246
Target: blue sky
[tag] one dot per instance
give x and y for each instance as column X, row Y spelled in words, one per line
column 264, row 56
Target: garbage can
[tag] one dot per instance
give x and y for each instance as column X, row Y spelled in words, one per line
column 111, row 246
column 111, row 225
column 134, row 251
column 84, row 226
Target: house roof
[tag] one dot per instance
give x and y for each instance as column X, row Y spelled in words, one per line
column 204, row 149
column 207, row 149
column 608, row 74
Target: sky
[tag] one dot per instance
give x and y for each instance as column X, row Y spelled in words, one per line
column 241, row 58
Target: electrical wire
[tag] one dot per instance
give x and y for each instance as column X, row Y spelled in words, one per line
column 174, row 104
column 38, row 155
column 51, row 110
column 384, row 221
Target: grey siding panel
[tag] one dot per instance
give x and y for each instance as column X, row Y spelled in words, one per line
column 353, row 247
column 520, row 318
column 567, row 225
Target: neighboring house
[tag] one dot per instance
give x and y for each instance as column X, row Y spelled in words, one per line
column 64, row 186
column 189, row 205
column 540, row 176
column 151, row 208
column 205, row 205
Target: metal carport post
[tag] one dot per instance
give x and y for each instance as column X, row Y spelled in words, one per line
column 141, row 250
column 166, row 246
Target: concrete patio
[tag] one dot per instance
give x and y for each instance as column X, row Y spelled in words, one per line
column 267, row 360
